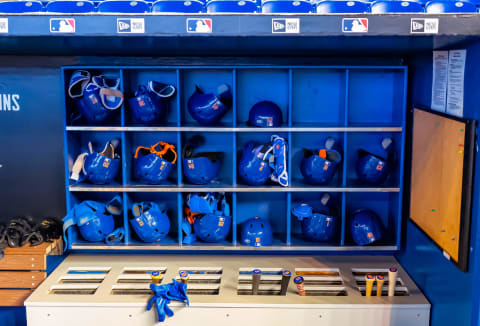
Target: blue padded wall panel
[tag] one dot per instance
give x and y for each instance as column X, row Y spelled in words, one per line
column 134, row 78
column 261, row 85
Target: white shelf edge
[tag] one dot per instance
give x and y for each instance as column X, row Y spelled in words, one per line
column 232, row 248
column 231, row 129
column 175, row 189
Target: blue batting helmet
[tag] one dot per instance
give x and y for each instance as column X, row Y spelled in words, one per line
column 316, row 226
column 257, row 232
column 212, row 228
column 265, row 114
column 149, row 222
column 150, row 102
column 200, row 168
column 319, row 166
column 97, row 98
column 153, row 165
column 374, row 166
column 365, row 227
column 253, row 168
column 103, row 167
column 207, row 109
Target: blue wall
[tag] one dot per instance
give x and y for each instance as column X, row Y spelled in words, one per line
column 454, row 295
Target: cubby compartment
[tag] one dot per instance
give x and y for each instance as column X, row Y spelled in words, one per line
column 78, row 143
column 265, row 205
column 314, row 199
column 384, row 204
column 168, row 107
column 73, row 115
column 208, row 80
column 257, row 85
column 208, row 142
column 133, row 141
column 166, row 202
column 318, row 97
column 314, row 142
column 73, row 233
column 377, row 97
column 258, row 139
column 371, row 142
column 215, row 224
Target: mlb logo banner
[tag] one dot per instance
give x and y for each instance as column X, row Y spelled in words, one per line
column 355, row 25
column 3, row 25
column 199, row 25
column 62, row 25
column 131, row 25
column 286, row 25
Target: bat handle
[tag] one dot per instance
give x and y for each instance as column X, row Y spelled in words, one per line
column 183, row 276
column 300, row 286
column 380, row 279
column 285, row 280
column 392, row 281
column 156, row 277
column 256, row 274
column 369, row 279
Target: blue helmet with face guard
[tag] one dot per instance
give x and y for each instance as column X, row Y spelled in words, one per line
column 150, row 223
column 150, row 103
column 97, row 167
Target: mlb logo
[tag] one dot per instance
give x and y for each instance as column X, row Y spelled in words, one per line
column 355, row 25
column 199, row 25
column 62, row 25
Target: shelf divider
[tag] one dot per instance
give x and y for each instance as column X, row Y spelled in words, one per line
column 345, row 162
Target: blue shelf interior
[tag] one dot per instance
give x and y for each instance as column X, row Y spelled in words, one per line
column 314, row 97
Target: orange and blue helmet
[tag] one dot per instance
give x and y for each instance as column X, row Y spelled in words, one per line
column 200, row 168
column 154, row 164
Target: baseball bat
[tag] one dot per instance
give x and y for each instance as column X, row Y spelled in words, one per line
column 156, row 277
column 183, row 276
column 300, row 286
column 256, row 280
column 380, row 279
column 369, row 279
column 285, row 280
column 392, row 281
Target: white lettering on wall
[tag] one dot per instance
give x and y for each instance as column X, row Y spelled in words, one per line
column 9, row 102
